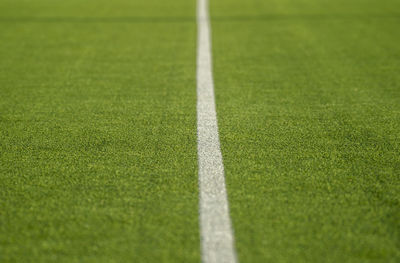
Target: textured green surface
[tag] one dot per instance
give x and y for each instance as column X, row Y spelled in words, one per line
column 98, row 129
column 98, row 132
column 308, row 98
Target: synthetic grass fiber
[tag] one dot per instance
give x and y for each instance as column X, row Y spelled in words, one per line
column 98, row 131
column 308, row 101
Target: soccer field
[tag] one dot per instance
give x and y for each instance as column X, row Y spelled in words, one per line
column 99, row 134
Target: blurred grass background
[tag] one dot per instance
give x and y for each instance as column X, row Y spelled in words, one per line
column 308, row 100
column 98, row 131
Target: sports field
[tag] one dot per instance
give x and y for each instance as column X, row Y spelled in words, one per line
column 99, row 130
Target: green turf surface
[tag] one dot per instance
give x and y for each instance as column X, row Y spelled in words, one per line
column 98, row 131
column 308, row 100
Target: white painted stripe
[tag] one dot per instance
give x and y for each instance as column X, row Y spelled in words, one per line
column 217, row 243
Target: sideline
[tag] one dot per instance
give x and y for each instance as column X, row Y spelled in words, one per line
column 217, row 242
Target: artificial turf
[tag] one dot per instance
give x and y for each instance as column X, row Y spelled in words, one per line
column 98, row 131
column 308, row 102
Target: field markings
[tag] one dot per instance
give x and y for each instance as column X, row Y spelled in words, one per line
column 217, row 242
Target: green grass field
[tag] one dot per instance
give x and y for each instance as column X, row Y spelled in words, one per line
column 98, row 132
column 98, row 158
column 308, row 94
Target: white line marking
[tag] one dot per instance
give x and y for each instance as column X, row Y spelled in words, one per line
column 217, row 243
